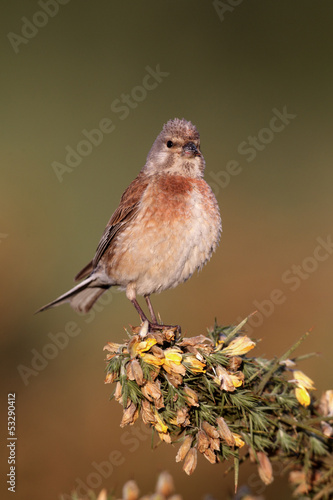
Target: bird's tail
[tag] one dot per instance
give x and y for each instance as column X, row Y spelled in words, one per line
column 82, row 297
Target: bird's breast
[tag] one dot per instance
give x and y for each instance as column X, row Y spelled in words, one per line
column 175, row 231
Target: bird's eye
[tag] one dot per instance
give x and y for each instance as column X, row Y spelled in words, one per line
column 169, row 144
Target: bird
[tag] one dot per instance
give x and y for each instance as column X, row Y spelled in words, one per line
column 166, row 227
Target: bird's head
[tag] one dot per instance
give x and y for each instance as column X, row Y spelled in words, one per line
column 176, row 150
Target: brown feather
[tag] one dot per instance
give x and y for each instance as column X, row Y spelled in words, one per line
column 126, row 211
column 88, row 269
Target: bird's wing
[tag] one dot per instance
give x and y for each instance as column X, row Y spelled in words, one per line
column 125, row 212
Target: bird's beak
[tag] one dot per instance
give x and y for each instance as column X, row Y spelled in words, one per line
column 190, row 149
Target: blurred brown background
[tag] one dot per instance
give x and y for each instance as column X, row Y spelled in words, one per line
column 226, row 73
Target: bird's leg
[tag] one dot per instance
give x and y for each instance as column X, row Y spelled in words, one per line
column 139, row 310
column 152, row 325
column 155, row 325
column 151, row 310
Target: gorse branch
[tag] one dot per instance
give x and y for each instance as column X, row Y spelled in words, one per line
column 208, row 394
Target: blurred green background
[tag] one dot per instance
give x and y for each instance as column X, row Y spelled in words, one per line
column 226, row 73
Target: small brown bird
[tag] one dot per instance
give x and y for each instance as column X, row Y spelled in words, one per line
column 166, row 227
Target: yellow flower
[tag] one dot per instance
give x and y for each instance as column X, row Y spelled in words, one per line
column 227, row 380
column 304, row 384
column 173, row 421
column 138, row 346
column 194, row 364
column 302, row 395
column 145, row 345
column 238, row 440
column 159, row 424
column 236, row 380
column 239, row 346
column 173, row 354
column 151, row 359
column 303, row 380
column 172, row 362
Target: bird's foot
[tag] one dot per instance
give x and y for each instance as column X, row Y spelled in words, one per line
column 149, row 326
column 157, row 326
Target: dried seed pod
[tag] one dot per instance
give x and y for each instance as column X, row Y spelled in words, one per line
column 252, row 455
column 327, row 429
column 224, row 432
column 225, row 379
column 147, row 413
column 118, row 392
column 165, row 436
column 265, row 470
column 112, row 347
column 130, row 415
column 210, row 455
column 190, row 462
column 210, row 430
column 183, row 450
column 234, row 363
column 159, row 337
column 110, row 377
column 151, row 391
column 159, row 403
column 169, row 334
column 157, row 351
column 137, row 371
column 154, row 373
column 182, row 416
column 203, row 441
column 144, row 329
column 192, row 340
column 103, row 495
column 215, row 444
column 165, row 485
column 131, row 491
column 192, row 397
column 193, row 350
column 326, row 404
column 299, row 477
column 175, row 379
